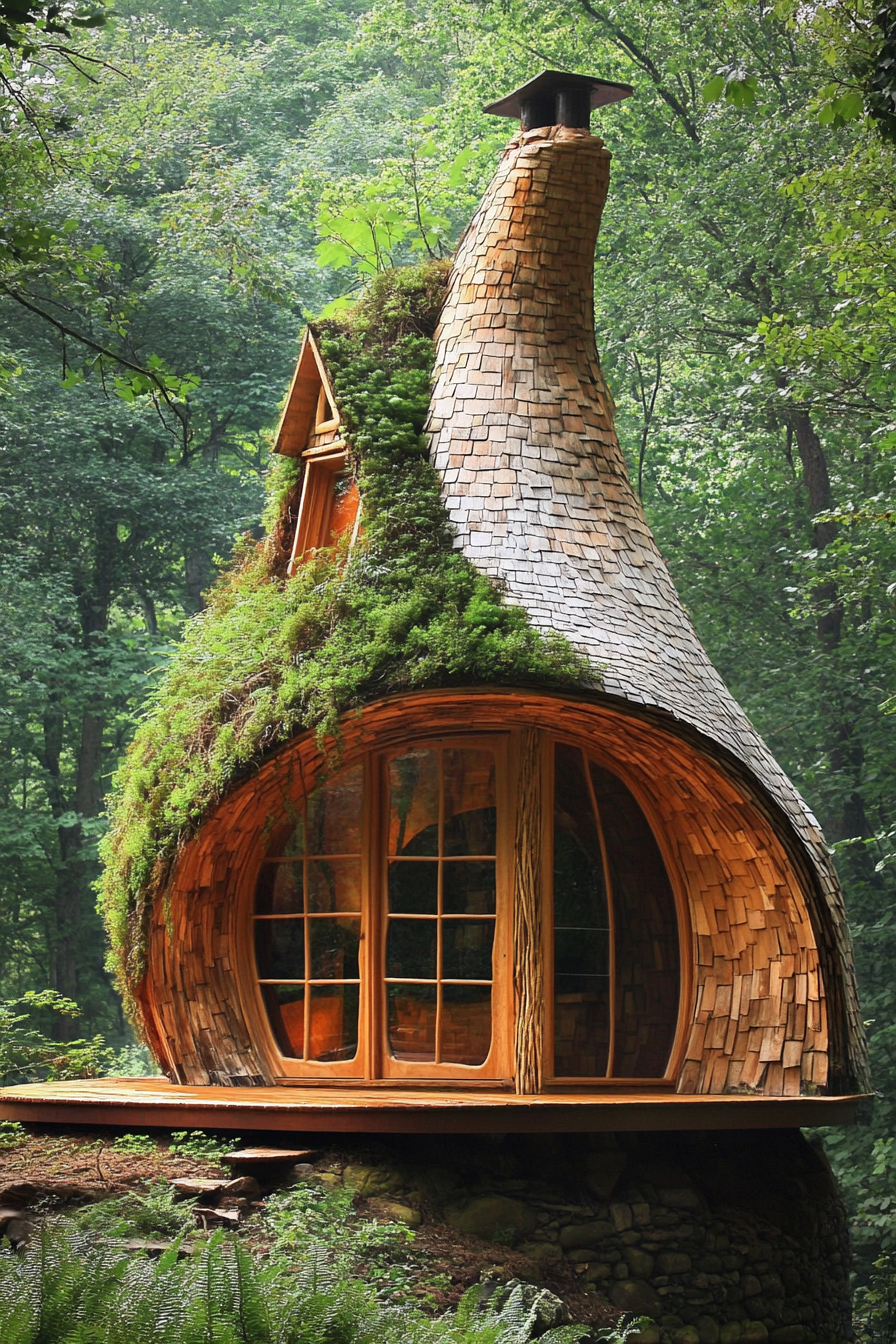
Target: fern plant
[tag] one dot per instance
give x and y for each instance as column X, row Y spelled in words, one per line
column 72, row 1287
column 157, row 1213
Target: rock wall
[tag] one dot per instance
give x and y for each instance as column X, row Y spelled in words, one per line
column 722, row 1238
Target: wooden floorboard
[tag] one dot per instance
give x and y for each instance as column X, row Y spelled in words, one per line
column 148, row 1102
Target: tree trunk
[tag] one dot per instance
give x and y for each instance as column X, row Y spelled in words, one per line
column 76, row 869
column 848, row 819
column 198, row 574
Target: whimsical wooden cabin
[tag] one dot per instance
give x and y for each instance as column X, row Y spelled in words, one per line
column 590, row 896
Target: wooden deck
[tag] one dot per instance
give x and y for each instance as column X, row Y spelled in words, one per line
column 147, row 1102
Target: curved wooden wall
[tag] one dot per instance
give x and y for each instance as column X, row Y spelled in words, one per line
column 765, row 974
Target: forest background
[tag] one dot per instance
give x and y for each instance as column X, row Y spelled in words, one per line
column 186, row 181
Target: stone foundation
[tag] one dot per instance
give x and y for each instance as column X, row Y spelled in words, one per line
column 721, row 1238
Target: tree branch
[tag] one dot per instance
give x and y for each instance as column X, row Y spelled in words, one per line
column 94, row 345
column 640, row 57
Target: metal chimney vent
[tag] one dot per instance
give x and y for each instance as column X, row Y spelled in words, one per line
column 557, row 98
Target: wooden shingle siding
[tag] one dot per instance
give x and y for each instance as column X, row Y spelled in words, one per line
column 759, row 981
column 522, row 435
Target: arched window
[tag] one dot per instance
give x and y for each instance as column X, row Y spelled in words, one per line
column 616, row 961
column 383, row 921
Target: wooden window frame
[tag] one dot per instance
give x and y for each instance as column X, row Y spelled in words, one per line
column 559, row 1082
column 497, row 1066
column 322, row 466
column 372, row 1065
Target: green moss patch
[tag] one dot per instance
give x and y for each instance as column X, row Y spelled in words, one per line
column 274, row 656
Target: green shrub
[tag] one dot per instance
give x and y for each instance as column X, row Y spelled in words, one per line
column 158, row 1213
column 12, row 1134
column 875, row 1304
column 28, row 1055
column 139, row 1145
column 199, row 1145
column 310, row 1216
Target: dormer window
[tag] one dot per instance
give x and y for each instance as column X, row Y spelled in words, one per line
column 330, row 504
column 383, row 921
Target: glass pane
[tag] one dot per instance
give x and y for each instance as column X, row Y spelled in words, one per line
column 346, row 501
column 466, row 1024
column 334, row 1022
column 581, row 926
column 414, row 803
column 334, row 885
column 413, row 887
column 470, row 814
column 580, row 955
column 582, row 1031
column 580, row 898
column 334, row 948
column 280, row 949
column 411, row 949
column 468, row 888
column 412, row 1022
column 288, row 839
column 333, row 818
column 279, row 889
column 467, row 949
column 286, row 1012
column 646, row 924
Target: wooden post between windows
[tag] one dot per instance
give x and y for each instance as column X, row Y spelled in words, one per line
column 528, row 962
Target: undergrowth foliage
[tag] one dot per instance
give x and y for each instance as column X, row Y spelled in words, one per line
column 73, row 1288
column 272, row 656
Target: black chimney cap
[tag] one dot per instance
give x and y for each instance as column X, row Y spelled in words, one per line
column 558, row 98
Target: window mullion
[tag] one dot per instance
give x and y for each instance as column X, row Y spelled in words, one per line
column 439, row 888
column 528, row 964
column 306, row 935
column 611, row 920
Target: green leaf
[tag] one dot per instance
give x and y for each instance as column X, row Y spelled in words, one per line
column 741, row 92
column 714, row 89
column 849, row 107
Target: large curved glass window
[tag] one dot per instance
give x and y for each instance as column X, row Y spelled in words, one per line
column 616, row 946
column 383, row 920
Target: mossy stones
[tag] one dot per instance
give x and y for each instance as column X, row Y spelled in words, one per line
column 371, row 1181
column 743, row 1332
column 579, row 1235
column 492, row 1217
column 639, row 1262
column 540, row 1250
column 390, row 1211
column 648, row 1334
column 635, row 1296
column 674, row 1262
column 708, row 1329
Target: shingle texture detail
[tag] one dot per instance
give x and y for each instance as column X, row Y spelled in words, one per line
column 522, row 434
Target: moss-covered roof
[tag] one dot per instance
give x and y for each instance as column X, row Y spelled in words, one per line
column 274, row 656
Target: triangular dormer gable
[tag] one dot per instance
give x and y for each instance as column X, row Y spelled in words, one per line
column 310, row 417
column 310, row 428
